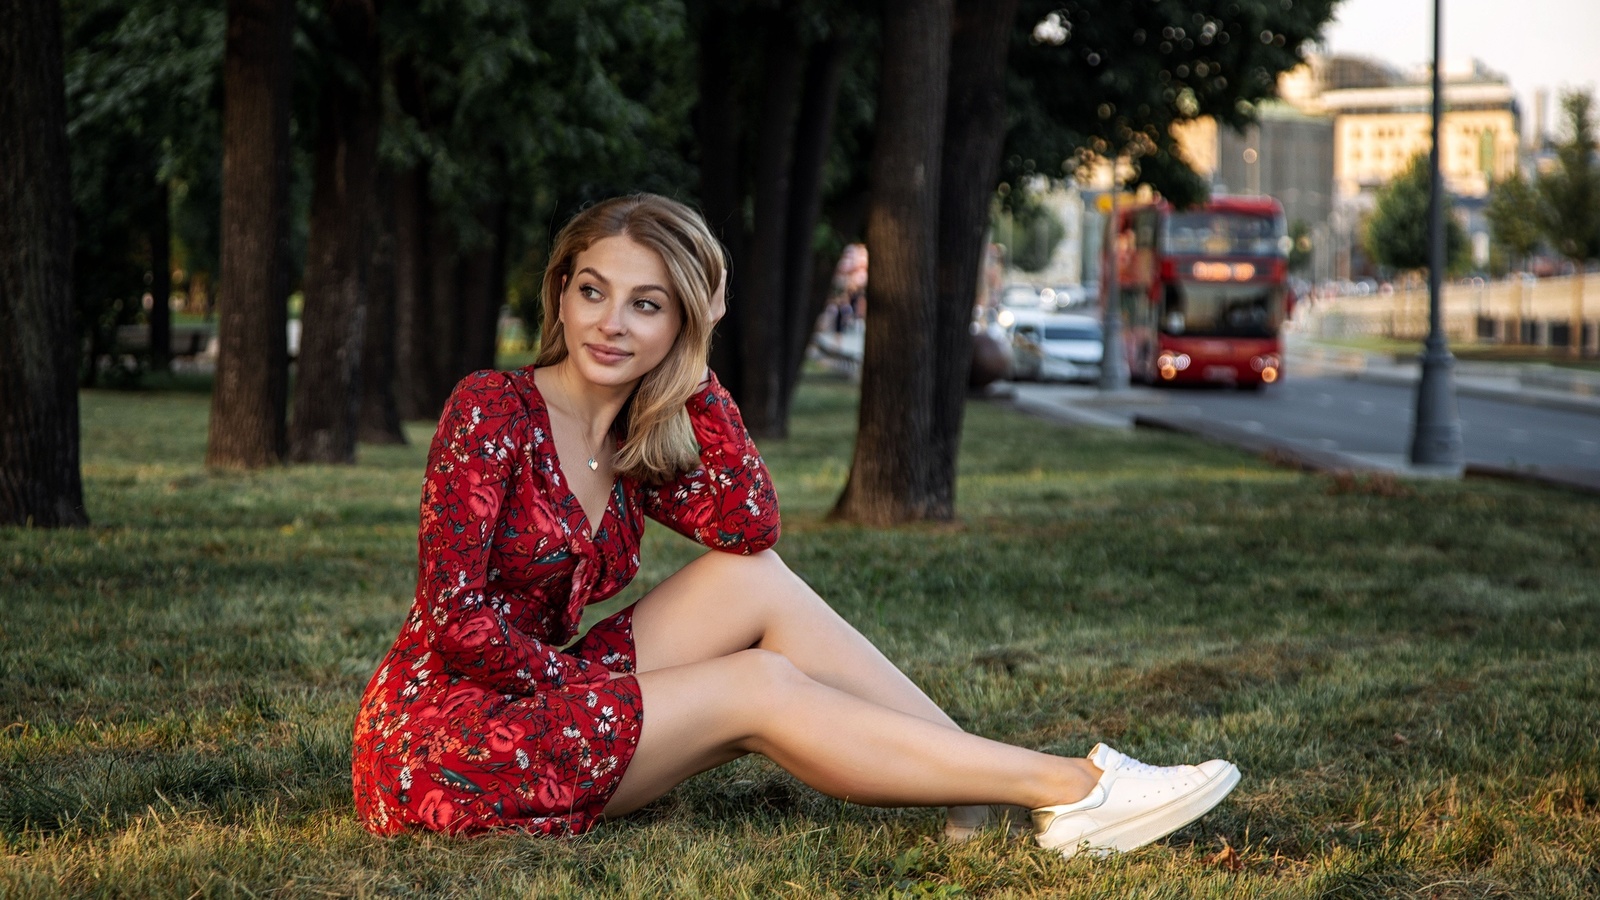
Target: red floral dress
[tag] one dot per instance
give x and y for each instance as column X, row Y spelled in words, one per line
column 476, row 719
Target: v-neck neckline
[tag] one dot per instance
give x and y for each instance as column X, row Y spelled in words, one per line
column 591, row 525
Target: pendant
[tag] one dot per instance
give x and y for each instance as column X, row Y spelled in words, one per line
column 593, row 466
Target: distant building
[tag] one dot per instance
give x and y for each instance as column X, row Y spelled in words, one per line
column 1286, row 154
column 1379, row 130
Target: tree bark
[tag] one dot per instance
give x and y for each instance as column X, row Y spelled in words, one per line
column 974, row 133
column 413, row 292
column 807, row 282
column 160, row 279
column 765, row 315
column 444, row 336
column 380, row 417
column 248, row 403
column 40, row 478
column 888, row 481
column 721, row 178
column 327, row 398
column 483, row 291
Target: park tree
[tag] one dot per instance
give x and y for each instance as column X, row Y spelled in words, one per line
column 775, row 178
column 889, row 480
column 328, row 387
column 1570, row 199
column 1513, row 214
column 1396, row 234
column 40, row 478
column 509, row 118
column 250, row 396
column 141, row 84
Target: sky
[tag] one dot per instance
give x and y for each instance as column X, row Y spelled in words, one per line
column 1549, row 44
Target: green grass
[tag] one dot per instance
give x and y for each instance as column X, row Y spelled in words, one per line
column 1406, row 674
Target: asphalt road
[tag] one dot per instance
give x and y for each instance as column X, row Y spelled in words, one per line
column 1335, row 413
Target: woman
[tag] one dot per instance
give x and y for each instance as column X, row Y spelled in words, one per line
column 537, row 487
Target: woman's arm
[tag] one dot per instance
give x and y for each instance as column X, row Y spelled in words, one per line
column 727, row 503
column 477, row 446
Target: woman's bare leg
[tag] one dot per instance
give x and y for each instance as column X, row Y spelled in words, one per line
column 707, row 713
column 722, row 603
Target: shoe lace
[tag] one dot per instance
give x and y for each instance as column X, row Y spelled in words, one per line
column 1129, row 764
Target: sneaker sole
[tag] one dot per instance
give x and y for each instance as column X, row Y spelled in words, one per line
column 1156, row 824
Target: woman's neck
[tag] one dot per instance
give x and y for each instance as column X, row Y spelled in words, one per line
column 594, row 407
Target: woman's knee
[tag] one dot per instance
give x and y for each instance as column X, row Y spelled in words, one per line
column 767, row 671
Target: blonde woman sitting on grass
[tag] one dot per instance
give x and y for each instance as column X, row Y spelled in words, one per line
column 485, row 715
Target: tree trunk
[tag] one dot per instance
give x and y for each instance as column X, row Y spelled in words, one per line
column 721, row 177
column 483, row 291
column 248, row 403
column 327, row 398
column 974, row 132
column 380, row 417
column 888, row 481
column 413, row 292
column 762, row 325
column 807, row 282
column 444, row 338
column 40, row 478
column 160, row 279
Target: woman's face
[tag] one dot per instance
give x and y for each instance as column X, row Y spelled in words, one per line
column 617, row 313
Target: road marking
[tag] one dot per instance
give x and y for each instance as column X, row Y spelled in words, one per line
column 1365, row 407
column 1253, row 425
column 1324, row 400
column 1327, row 443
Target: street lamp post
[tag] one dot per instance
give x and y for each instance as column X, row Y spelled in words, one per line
column 1436, row 432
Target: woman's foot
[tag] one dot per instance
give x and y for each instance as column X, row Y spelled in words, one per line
column 1133, row 804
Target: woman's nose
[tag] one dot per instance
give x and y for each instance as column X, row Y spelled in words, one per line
column 613, row 321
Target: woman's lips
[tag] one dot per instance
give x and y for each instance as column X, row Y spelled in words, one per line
column 606, row 355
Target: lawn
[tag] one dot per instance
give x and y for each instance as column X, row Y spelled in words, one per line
column 1406, row 673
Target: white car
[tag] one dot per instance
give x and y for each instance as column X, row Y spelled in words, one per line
column 1064, row 347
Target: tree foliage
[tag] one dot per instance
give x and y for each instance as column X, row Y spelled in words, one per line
column 1108, row 78
column 1396, row 234
column 142, row 88
column 1570, row 195
column 1513, row 214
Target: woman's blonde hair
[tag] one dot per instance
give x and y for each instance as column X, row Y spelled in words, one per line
column 657, row 441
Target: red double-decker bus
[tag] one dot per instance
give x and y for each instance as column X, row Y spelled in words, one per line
column 1203, row 292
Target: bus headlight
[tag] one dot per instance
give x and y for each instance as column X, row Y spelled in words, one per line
column 1265, row 362
column 1169, row 364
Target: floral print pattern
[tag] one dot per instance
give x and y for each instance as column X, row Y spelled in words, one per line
column 478, row 718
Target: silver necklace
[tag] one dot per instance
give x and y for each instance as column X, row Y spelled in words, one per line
column 591, row 462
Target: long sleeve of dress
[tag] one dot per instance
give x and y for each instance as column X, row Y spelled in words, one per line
column 470, row 465
column 727, row 502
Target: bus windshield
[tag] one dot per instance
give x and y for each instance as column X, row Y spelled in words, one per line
column 1222, row 310
column 1204, row 233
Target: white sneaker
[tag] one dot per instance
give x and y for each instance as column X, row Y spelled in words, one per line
column 1132, row 804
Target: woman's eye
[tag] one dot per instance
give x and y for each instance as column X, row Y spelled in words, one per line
column 645, row 304
column 589, row 292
